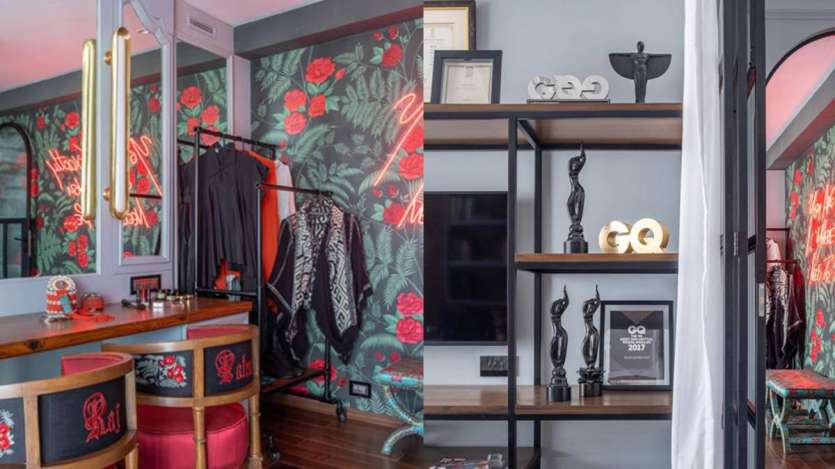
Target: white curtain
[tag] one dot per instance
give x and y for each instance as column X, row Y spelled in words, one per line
column 698, row 379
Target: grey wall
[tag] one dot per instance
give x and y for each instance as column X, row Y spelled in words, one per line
column 569, row 37
column 788, row 22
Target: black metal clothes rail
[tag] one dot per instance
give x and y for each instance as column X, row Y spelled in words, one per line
column 258, row 315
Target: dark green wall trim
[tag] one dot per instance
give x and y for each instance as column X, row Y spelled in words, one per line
column 320, row 22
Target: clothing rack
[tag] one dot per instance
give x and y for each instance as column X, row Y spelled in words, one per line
column 258, row 315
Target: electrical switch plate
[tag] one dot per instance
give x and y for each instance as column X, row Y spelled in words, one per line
column 495, row 365
column 360, row 389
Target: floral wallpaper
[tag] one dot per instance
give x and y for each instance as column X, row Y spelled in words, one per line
column 64, row 242
column 810, row 215
column 348, row 116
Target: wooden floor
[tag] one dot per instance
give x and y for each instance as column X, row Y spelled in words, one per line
column 801, row 457
column 313, row 440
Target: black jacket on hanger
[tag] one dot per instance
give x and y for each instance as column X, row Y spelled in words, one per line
column 227, row 208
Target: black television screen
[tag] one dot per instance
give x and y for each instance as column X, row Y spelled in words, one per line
column 465, row 268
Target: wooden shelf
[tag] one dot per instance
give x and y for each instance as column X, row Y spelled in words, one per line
column 284, row 384
column 597, row 125
column 533, row 404
column 490, row 403
column 598, row 263
column 486, row 402
column 430, row 455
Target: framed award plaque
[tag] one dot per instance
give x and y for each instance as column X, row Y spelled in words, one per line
column 636, row 345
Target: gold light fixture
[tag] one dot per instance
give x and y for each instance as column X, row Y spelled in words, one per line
column 119, row 60
column 88, row 130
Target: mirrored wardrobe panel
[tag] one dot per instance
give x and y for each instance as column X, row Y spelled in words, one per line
column 42, row 230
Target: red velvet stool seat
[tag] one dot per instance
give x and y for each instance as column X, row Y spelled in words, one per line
column 166, row 437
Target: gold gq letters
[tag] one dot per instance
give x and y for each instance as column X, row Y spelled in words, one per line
column 646, row 236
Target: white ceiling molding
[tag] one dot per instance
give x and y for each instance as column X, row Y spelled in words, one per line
column 800, row 14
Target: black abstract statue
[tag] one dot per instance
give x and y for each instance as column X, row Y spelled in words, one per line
column 575, row 242
column 591, row 377
column 559, row 389
column 640, row 67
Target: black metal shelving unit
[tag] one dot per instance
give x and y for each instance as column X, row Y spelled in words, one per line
column 540, row 128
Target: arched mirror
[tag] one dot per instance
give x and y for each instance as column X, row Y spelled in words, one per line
column 15, row 213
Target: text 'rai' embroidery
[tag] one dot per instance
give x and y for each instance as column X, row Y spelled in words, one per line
column 225, row 362
column 97, row 421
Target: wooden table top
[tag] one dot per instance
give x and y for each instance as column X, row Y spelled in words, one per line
column 26, row 333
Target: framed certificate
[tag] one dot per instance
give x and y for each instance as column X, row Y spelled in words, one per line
column 447, row 25
column 467, row 77
column 636, row 345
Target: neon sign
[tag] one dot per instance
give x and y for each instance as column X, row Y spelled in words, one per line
column 820, row 236
column 411, row 115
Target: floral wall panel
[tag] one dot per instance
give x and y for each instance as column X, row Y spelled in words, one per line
column 810, row 215
column 64, row 241
column 348, row 115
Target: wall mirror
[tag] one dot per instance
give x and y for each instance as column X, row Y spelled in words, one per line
column 143, row 227
column 42, row 231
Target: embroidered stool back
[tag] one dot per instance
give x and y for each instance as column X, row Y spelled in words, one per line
column 215, row 366
column 86, row 418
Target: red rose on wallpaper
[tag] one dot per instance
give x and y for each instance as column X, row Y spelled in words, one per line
column 319, row 70
column 72, row 248
column 210, row 114
column 319, row 364
column 143, row 186
column 294, row 123
column 393, row 214
column 819, row 320
column 71, row 120
column 151, row 217
column 410, row 303
column 810, row 167
column 340, row 74
column 378, row 36
column 377, row 192
column 40, row 122
column 414, row 140
column 72, row 223
column 798, row 176
column 411, row 167
column 132, row 177
column 207, row 139
column 815, row 346
column 39, row 222
column 191, row 124
column 83, row 241
column 153, row 104
column 392, row 190
column 127, row 254
column 379, row 356
column 294, row 99
column 394, row 357
column 191, row 97
column 168, row 360
column 83, row 259
column 409, row 331
column 393, row 32
column 73, row 143
column 318, row 105
column 392, row 56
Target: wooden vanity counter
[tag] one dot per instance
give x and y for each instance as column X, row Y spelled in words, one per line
column 26, row 333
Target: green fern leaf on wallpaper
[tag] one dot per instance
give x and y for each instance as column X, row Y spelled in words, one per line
column 381, row 341
column 378, row 273
column 308, row 140
column 395, row 284
column 407, row 258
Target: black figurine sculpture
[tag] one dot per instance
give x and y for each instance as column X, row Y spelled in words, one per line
column 559, row 389
column 575, row 243
column 640, row 67
column 591, row 377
